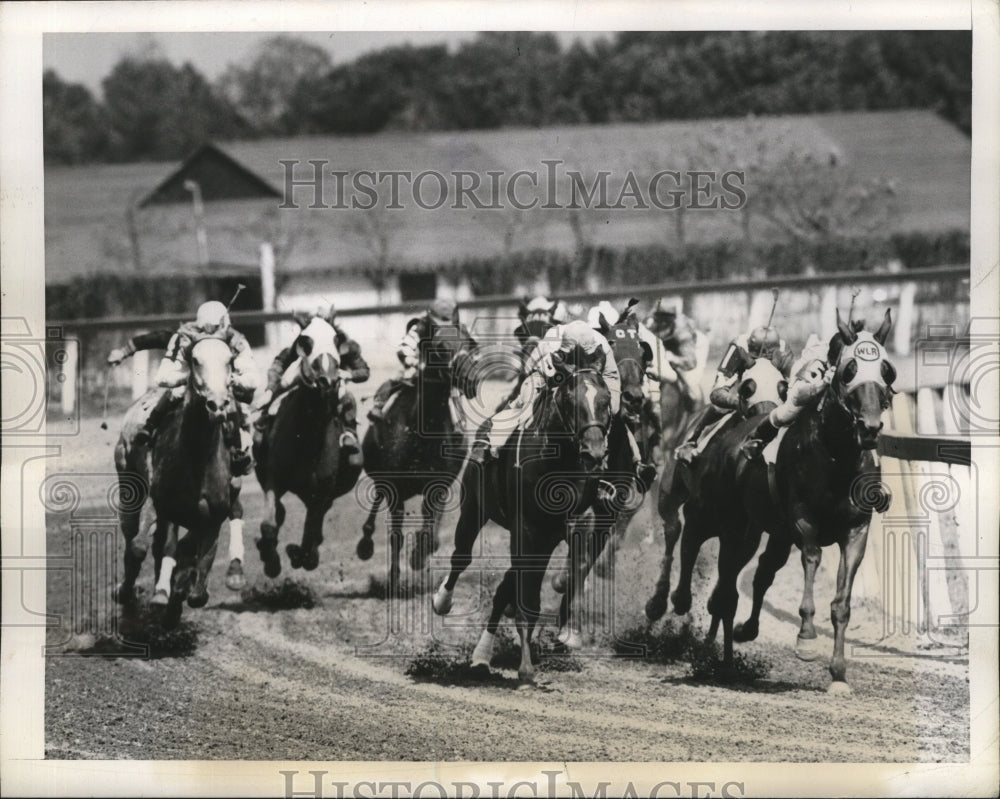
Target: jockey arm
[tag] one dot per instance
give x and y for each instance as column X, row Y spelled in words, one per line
column 725, row 391
column 353, row 367
column 153, row 340
column 684, row 352
column 245, row 377
column 281, row 362
column 408, row 350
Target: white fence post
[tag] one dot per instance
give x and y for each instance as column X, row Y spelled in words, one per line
column 140, row 373
column 903, row 329
column 70, row 369
column 267, row 290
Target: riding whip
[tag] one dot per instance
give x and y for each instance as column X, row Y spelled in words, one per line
column 854, row 295
column 774, row 305
column 239, row 288
column 107, row 385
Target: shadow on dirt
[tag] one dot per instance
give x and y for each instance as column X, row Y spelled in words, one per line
column 139, row 633
column 265, row 596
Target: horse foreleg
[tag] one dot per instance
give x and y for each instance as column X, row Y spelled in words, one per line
column 207, row 543
column 395, row 545
column 503, row 596
column 692, row 537
column 306, row 556
column 851, row 554
column 471, row 519
column 134, row 519
column 578, row 562
column 805, row 647
column 528, row 593
column 656, row 606
column 234, row 573
column 165, row 555
column 366, row 547
column 267, row 544
column 773, row 557
column 426, row 541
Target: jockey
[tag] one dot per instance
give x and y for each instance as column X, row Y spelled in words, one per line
column 211, row 321
column 676, row 336
column 761, row 342
column 442, row 313
column 810, row 377
column 353, row 369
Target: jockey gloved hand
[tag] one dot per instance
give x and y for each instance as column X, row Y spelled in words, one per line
column 116, row 356
column 265, row 398
column 345, row 375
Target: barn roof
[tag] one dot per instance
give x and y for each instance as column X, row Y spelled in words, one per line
column 86, row 230
column 218, row 174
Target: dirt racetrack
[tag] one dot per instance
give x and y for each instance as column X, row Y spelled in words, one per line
column 263, row 675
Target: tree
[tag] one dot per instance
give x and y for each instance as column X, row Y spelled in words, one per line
column 260, row 88
column 75, row 128
column 161, row 112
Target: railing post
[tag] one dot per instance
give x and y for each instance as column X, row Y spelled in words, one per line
column 70, row 367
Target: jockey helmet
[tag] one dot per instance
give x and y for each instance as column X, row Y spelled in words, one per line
column 579, row 333
column 212, row 317
column 594, row 314
column 443, row 311
column 772, row 341
column 763, row 341
column 539, row 305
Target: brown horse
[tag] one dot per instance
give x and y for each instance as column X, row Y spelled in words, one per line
column 544, row 477
column 300, row 453
column 761, row 389
column 190, row 482
column 416, row 448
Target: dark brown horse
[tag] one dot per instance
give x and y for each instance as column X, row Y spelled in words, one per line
column 544, row 477
column 300, row 453
column 761, row 389
column 827, row 483
column 190, row 482
column 416, row 448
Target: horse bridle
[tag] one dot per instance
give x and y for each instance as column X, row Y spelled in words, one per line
column 578, row 434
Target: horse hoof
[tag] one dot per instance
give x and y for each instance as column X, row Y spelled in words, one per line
column 172, row 617
column 655, row 608
column 296, row 557
column 571, row 639
column 234, row 575
column 269, row 556
column 807, row 648
column 161, row 598
column 682, row 603
column 479, row 671
column 838, row 688
column 526, row 676
column 197, row 599
column 508, row 611
column 745, row 632
column 442, row 601
column 559, row 580
column 310, row 559
column 123, row 594
column 366, row 547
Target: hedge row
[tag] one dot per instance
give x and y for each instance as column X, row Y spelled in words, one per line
column 113, row 295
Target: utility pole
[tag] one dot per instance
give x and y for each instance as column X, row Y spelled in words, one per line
column 199, row 220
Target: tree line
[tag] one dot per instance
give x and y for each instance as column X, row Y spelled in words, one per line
column 151, row 109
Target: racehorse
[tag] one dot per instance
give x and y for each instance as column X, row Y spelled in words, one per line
column 300, row 453
column 623, row 495
column 542, row 478
column 191, row 484
column 827, row 482
column 417, row 449
column 761, row 389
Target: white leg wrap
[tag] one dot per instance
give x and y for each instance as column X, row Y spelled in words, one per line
column 236, row 539
column 166, row 571
column 483, row 653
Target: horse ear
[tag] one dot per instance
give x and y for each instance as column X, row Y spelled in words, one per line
column 848, row 335
column 883, row 332
column 628, row 308
column 605, row 327
column 554, row 307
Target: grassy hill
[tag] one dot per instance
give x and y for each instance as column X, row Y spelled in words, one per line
column 86, row 230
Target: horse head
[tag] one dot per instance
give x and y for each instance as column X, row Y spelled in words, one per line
column 863, row 376
column 319, row 357
column 583, row 402
column 446, row 356
column 632, row 355
column 211, row 365
column 762, row 387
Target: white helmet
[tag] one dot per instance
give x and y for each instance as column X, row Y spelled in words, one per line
column 594, row 314
column 212, row 316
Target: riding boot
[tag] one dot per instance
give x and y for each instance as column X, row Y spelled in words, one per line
column 349, row 438
column 762, row 435
column 145, row 434
column 380, row 398
column 481, row 449
column 687, row 451
column 238, row 439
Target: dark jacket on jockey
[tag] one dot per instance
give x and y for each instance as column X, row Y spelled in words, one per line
column 350, row 360
column 737, row 360
column 680, row 338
